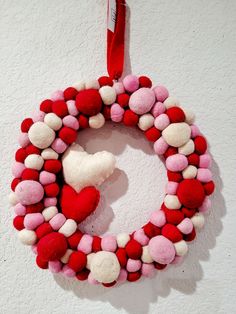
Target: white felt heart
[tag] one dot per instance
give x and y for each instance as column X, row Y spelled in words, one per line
column 81, row 169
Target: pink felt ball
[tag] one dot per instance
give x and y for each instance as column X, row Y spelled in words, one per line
column 131, row 83
column 57, row 221
column 91, row 280
column 162, row 121
column 54, row 266
column 46, row 177
column 72, row 109
column 205, row 161
column 148, row 270
column 122, row 276
column 204, row 175
column 23, row 139
column 171, row 187
column 161, row 93
column 206, row 205
column 158, row 109
column 32, row 221
column 160, row 146
column 85, row 244
column 17, row 169
column 38, row 116
column 194, row 131
column 68, row 272
column 109, row 243
column 119, row 88
column 133, row 265
column 117, row 113
column 141, row 237
column 186, row 226
column 158, row 218
column 142, row 100
column 161, row 250
column 59, row 145
column 19, row 209
column 71, row 122
column 176, row 162
column 57, row 95
column 29, row 192
column 50, row 201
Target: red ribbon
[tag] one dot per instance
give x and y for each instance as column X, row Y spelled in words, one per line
column 115, row 38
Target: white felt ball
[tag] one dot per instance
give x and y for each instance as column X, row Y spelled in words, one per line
column 41, row 135
column 172, row 202
column 105, row 267
column 146, row 121
column 177, row 134
column 108, row 94
column 189, row 116
column 79, row 85
column 49, row 153
column 181, row 248
column 171, row 102
column 49, row 212
column 12, row 198
column 34, row 161
column 198, row 220
column 66, row 256
column 190, row 172
column 97, row 121
column 53, row 121
column 187, row 148
column 122, row 239
column 27, row 237
column 92, row 84
column 89, row 260
column 68, row 228
column 146, row 257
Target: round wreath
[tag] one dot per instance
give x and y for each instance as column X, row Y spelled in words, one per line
column 55, row 180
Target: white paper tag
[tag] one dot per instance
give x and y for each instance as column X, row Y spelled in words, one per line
column 111, row 19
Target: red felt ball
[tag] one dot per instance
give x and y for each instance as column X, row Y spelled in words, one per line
column 193, row 159
column 191, row 193
column 68, row 135
column 26, row 124
column 200, row 145
column 20, row 155
column 122, row 257
column 174, row 176
column 89, row 102
column 52, row 189
column 209, row 187
column 52, row 165
column 175, row 114
column 77, row 261
column 74, row 239
column 152, row 134
column 14, row 183
column 133, row 276
column 145, row 81
column 173, row 217
column 105, row 80
column 30, row 174
column 170, row 151
column 46, row 105
column 59, row 107
column 70, row 93
column 130, row 118
column 151, row 230
column 83, row 122
column 18, row 223
column 41, row 263
column 83, row 275
column 191, row 236
column 34, row 208
column 109, row 285
column 188, row 212
column 123, row 100
column 96, row 245
column 52, row 246
column 44, row 229
column 172, row 233
column 133, row 249
column 107, row 112
column 31, row 149
column 159, row 266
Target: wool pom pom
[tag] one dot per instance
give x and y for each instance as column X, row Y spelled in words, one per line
column 181, row 248
column 77, row 261
column 177, row 134
column 59, row 107
column 52, row 246
column 133, row 249
column 145, row 81
column 46, row 105
column 53, row 121
column 74, row 239
column 29, row 192
column 97, row 121
column 172, row 233
column 89, row 102
column 108, row 95
column 27, row 237
column 175, row 114
column 26, row 124
column 161, row 250
column 146, row 121
column 41, row 135
column 123, row 100
column 200, row 145
column 142, row 100
column 122, row 239
column 83, row 122
column 161, row 93
column 52, row 165
column 153, row 134
column 209, row 187
column 105, row 80
column 70, row 93
column 130, row 118
column 133, row 276
column 18, row 223
column 191, row 193
column 44, row 229
column 131, row 83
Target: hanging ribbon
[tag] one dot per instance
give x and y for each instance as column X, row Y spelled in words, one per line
column 115, row 37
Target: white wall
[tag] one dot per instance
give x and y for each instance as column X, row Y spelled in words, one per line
column 189, row 46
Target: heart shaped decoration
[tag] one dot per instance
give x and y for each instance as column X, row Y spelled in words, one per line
column 81, row 169
column 79, row 206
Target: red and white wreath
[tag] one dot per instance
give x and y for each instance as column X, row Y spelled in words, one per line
column 55, row 181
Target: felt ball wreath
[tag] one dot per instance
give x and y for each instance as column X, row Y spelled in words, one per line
column 55, row 181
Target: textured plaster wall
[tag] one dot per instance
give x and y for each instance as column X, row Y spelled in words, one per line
column 188, row 46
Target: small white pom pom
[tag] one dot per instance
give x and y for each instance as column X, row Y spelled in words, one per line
column 92, row 84
column 97, row 121
column 177, row 134
column 66, row 256
column 187, row 148
column 171, row 102
column 198, row 220
column 146, row 121
column 79, row 86
column 189, row 116
column 53, row 121
column 172, row 202
column 34, row 161
column 49, row 212
column 146, row 257
column 41, row 135
column 181, row 248
column 190, row 172
column 122, row 239
column 108, row 94
column 27, row 237
column 49, row 153
column 68, row 228
column 89, row 260
column 12, row 198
